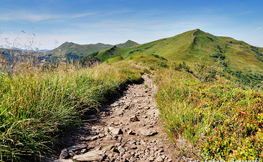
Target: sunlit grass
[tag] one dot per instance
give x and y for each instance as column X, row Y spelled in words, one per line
column 35, row 105
column 221, row 119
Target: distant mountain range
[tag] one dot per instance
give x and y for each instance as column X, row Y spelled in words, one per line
column 72, row 51
column 240, row 59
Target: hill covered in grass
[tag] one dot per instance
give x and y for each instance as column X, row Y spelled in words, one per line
column 209, row 94
column 192, row 45
column 240, row 60
column 127, row 44
column 72, row 51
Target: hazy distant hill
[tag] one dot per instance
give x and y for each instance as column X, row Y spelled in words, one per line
column 127, row 44
column 71, row 51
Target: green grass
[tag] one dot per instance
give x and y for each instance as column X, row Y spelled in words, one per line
column 214, row 102
column 190, row 46
column 127, row 44
column 219, row 118
column 71, row 51
column 36, row 106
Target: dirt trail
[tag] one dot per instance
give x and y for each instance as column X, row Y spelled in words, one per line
column 193, row 38
column 128, row 129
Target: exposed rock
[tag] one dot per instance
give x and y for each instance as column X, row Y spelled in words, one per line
column 108, row 148
column 148, row 132
column 64, row 160
column 64, row 154
column 83, row 151
column 131, row 132
column 89, row 147
column 105, row 138
column 126, row 106
column 71, row 153
column 94, row 138
column 77, row 147
column 115, row 131
column 90, row 156
column 159, row 159
column 133, row 118
column 151, row 159
column 153, row 112
column 118, row 112
column 115, row 104
column 93, row 133
column 101, row 135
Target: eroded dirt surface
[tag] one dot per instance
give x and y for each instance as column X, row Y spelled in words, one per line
column 128, row 129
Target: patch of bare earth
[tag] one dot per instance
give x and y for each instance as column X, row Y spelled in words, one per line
column 128, row 129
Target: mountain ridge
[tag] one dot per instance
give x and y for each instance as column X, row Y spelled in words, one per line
column 190, row 46
column 239, row 59
column 72, row 51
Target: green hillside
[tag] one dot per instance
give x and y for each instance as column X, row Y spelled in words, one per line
column 209, row 95
column 239, row 59
column 167, row 48
column 192, row 45
column 71, row 51
column 127, row 44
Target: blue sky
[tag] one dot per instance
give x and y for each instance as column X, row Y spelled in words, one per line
column 53, row 22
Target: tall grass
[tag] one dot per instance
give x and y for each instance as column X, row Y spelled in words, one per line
column 219, row 118
column 34, row 106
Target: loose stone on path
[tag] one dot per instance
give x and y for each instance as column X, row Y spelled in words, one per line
column 127, row 130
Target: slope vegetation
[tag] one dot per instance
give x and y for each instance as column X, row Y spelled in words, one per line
column 72, row 51
column 239, row 59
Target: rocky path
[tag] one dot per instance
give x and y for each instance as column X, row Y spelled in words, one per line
column 126, row 130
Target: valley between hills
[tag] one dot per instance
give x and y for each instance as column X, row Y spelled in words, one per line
column 193, row 96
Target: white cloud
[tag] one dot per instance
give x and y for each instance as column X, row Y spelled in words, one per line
column 25, row 15
column 259, row 28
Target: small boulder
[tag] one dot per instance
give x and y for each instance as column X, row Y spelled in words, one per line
column 159, row 159
column 148, row 132
column 131, row 132
column 95, row 155
column 64, row 154
column 76, row 148
column 115, row 131
column 134, row 118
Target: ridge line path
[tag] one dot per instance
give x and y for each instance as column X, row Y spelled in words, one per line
column 127, row 130
column 192, row 35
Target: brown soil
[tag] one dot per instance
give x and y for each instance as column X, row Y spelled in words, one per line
column 128, row 129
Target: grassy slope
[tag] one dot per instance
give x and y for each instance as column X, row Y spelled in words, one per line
column 192, row 45
column 164, row 47
column 241, row 61
column 127, row 44
column 219, row 118
column 240, row 54
column 36, row 105
column 207, row 114
column 69, row 50
column 75, row 51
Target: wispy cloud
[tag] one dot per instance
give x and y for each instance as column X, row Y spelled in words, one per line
column 259, row 28
column 24, row 15
column 81, row 15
